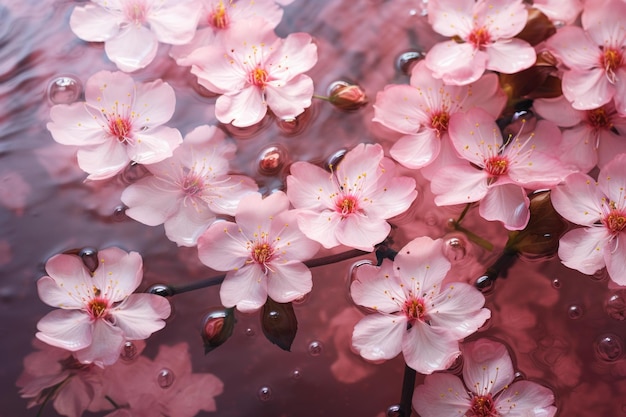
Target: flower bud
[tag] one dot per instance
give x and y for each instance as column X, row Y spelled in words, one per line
column 217, row 328
column 347, row 96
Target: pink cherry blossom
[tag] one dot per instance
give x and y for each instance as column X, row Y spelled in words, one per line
column 489, row 390
column 487, row 29
column 600, row 207
column 422, row 111
column 186, row 191
column 218, row 16
column 97, row 312
column 559, row 11
column 594, row 57
column 497, row 173
column 262, row 252
column 254, row 70
column 351, row 205
column 132, row 29
column 590, row 137
column 415, row 314
column 120, row 122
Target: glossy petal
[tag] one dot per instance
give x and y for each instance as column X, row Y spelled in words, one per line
column 106, row 345
column 223, row 247
column 176, row 24
column 70, row 272
column 526, row 398
column 67, row 329
column 559, row 111
column 309, row 187
column 243, row 108
column 441, row 395
column 361, row 232
column 140, row 315
column 151, row 200
column 103, row 161
column 578, row 149
column 399, row 107
column 155, row 145
column 289, row 100
column 428, row 349
column 458, row 309
column 378, row 288
column 487, row 367
column 379, row 336
column 459, row 184
column 416, row 151
column 289, row 240
column 155, row 103
column 587, row 90
column 615, row 259
column 455, row 63
column 511, row 56
column 187, row 224
column 119, row 273
column 133, row 48
column 74, row 125
column 507, row 203
column 578, row 199
column 451, row 18
column 245, row 288
column 320, row 226
column 583, row 249
column 94, row 24
column 612, row 181
column 572, row 45
column 289, row 282
column 421, row 262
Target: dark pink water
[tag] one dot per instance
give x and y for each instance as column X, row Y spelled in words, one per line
column 565, row 330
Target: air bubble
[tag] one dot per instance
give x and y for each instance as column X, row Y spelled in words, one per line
column 271, row 160
column 518, row 376
column 455, row 248
column 119, row 214
column 161, row 289
column 616, row 305
column 485, row 284
column 250, row 332
column 165, row 378
column 315, row 348
column 129, row 351
column 407, row 60
column 264, row 394
column 296, row 374
column 295, row 126
column 556, row 283
column 609, row 348
column 575, row 312
column 64, row 90
column 394, row 411
column 90, row 258
column 333, row 161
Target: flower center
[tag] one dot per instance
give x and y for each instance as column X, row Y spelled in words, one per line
column 136, row 12
column 599, row 119
column 497, row 166
column 192, row 184
column 482, row 406
column 259, row 77
column 611, row 60
column 479, row 37
column 98, row 307
column 414, row 309
column 262, row 253
column 218, row 18
column 347, row 205
column 120, row 128
column 439, row 122
column 615, row 221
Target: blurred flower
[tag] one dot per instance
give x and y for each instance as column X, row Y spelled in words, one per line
column 564, row 11
column 187, row 190
column 254, row 70
column 415, row 314
column 97, row 312
column 488, row 375
column 351, row 205
column 498, row 172
column 132, row 29
column 600, row 207
column 262, row 252
column 593, row 55
column 487, row 39
column 119, row 122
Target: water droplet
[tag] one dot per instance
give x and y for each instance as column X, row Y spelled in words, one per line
column 64, row 89
column 609, row 347
column 250, row 332
column 556, row 283
column 161, row 289
column 296, row 374
column 265, row 394
column 315, row 348
column 293, row 127
column 393, row 411
column 352, row 276
column 90, row 258
column 616, row 305
column 129, row 351
column 575, row 312
column 407, row 60
column 518, row 376
column 455, row 248
column 271, row 160
column 165, row 378
column 274, row 315
column 119, row 214
column 485, row 284
column 333, row 161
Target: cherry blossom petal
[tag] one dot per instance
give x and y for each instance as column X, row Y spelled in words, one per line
column 155, row 103
column 242, row 109
column 74, row 125
column 214, row 72
column 309, row 187
column 612, row 181
column 559, row 111
column 297, row 54
column 422, row 261
column 378, row 288
column 458, row 309
column 289, row 100
column 416, row 151
column 288, row 281
column 223, row 247
column 507, row 203
column 133, row 48
column 487, row 367
column 475, row 135
column 587, row 90
column 620, row 91
column 450, row 18
column 399, row 107
column 362, row 232
column 320, row 227
column 441, row 395
column 245, row 288
column 66, row 329
column 456, row 63
column 379, row 336
column 605, row 22
column 526, row 398
column 105, row 88
column 484, row 93
column 393, row 198
column 505, row 18
column 187, row 224
column 428, row 349
column 290, row 241
column 74, row 398
column 93, row 23
column 255, row 213
column 447, row 157
column 578, row 199
column 511, row 56
column 572, row 45
column 610, row 145
column 71, row 272
column 558, row 10
column 459, row 184
column 140, row 315
column 119, row 273
column 106, row 345
column 103, row 161
column 151, row 200
column 578, row 149
column 175, row 23
column 615, row 259
column 583, row 249
column 155, row 145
